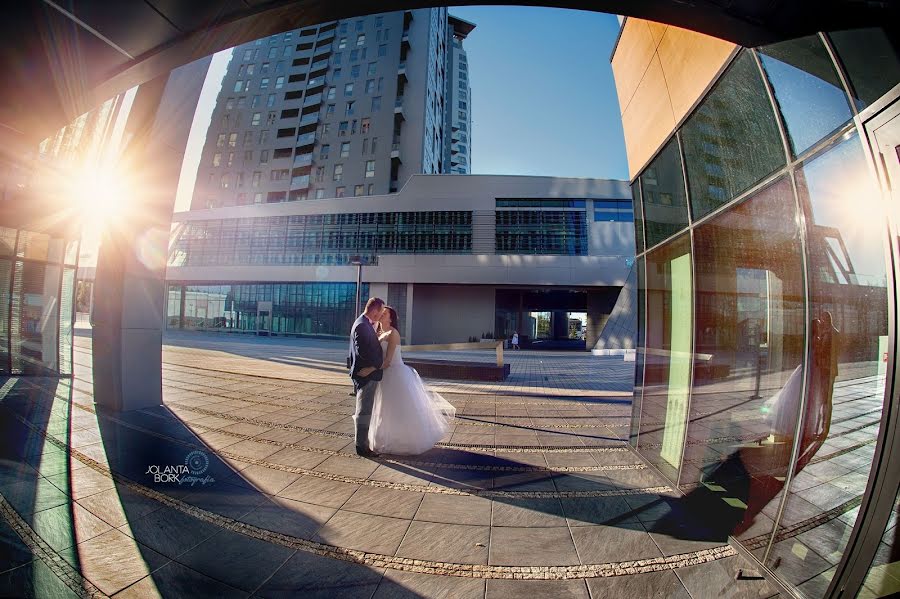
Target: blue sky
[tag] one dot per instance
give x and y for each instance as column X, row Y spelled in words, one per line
column 543, row 97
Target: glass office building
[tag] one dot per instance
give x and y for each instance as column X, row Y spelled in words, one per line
column 764, row 301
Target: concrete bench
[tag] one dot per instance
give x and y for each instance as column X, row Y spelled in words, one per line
column 457, row 370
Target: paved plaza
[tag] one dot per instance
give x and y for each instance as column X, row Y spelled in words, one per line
column 531, row 494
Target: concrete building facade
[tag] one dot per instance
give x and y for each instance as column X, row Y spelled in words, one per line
column 493, row 253
column 459, row 104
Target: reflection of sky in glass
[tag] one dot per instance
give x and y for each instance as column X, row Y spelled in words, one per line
column 843, row 196
column 812, row 107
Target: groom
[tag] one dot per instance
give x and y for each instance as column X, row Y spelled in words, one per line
column 364, row 362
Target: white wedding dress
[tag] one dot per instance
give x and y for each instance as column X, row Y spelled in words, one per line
column 407, row 417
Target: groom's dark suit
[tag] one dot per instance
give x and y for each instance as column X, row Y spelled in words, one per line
column 365, row 352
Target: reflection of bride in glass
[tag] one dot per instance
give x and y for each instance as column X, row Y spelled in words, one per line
column 407, row 418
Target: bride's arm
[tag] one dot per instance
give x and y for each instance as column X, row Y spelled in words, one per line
column 393, row 341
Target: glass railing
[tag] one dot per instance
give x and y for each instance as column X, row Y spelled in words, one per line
column 319, row 64
column 313, row 99
column 402, row 66
column 302, row 159
column 306, row 138
column 316, row 81
column 309, row 119
column 300, row 182
column 398, row 103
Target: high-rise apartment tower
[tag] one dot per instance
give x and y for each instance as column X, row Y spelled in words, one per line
column 345, row 108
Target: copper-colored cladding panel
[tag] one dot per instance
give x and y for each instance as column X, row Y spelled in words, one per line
column 660, row 71
column 648, row 119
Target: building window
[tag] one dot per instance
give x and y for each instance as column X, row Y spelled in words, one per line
column 342, row 43
column 279, row 66
column 330, row 95
column 256, row 119
column 342, row 128
column 254, row 181
column 279, row 174
column 248, row 155
column 247, row 54
column 337, row 73
column 379, row 21
column 329, row 109
column 232, row 140
column 254, row 102
column 338, row 172
column 370, row 169
column 229, row 103
column 270, row 120
column 461, row 115
column 270, row 102
column 345, row 149
column 263, row 136
column 264, row 83
column 264, row 157
column 370, row 87
column 376, row 103
column 286, row 52
column 230, row 158
column 354, row 55
column 238, row 85
column 264, row 69
column 217, row 159
column 343, row 27
column 358, row 190
column 349, row 110
column 242, row 101
column 320, row 193
column 220, row 140
column 361, row 40
column 272, row 53
column 336, row 58
column 248, row 138
column 323, row 152
column 371, row 189
column 320, row 174
column 339, row 191
column 279, row 82
column 257, row 198
column 461, row 104
column 354, row 71
column 364, row 126
column 348, row 89
column 374, row 143
column 365, row 146
column 382, row 50
column 240, row 180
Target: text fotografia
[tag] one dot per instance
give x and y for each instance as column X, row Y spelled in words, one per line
column 191, row 472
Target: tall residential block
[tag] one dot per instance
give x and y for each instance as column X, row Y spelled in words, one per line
column 459, row 105
column 344, row 108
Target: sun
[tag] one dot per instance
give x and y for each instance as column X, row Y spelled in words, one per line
column 101, row 195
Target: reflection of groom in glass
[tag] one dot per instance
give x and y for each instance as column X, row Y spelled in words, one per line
column 364, row 362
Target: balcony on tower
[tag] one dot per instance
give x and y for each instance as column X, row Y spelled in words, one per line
column 398, row 109
column 401, row 72
column 312, row 100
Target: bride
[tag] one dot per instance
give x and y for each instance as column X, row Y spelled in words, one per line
column 407, row 417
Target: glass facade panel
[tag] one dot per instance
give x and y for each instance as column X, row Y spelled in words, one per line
column 883, row 578
column 638, row 217
column 807, row 89
column 731, row 141
column 35, row 329
column 667, row 356
column 638, row 394
column 320, row 238
column 320, row 309
column 5, row 280
column 544, row 232
column 665, row 204
column 848, row 338
column 747, row 364
column 870, row 60
column 66, row 320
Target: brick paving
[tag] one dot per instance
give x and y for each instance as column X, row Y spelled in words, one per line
column 529, row 493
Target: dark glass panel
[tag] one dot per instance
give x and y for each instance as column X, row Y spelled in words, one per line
column 5, row 280
column 871, row 60
column 807, row 88
column 638, row 217
column 665, row 205
column 731, row 142
column 748, row 352
column 639, row 358
column 849, row 340
column 35, row 318
column 667, row 356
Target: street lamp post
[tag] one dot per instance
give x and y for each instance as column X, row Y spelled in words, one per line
column 357, row 261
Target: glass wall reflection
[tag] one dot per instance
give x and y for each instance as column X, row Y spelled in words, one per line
column 315, row 309
column 763, row 342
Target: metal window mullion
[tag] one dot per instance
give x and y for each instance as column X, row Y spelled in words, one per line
column 795, row 449
column 841, row 73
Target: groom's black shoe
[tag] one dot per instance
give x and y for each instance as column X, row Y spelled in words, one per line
column 366, row 453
